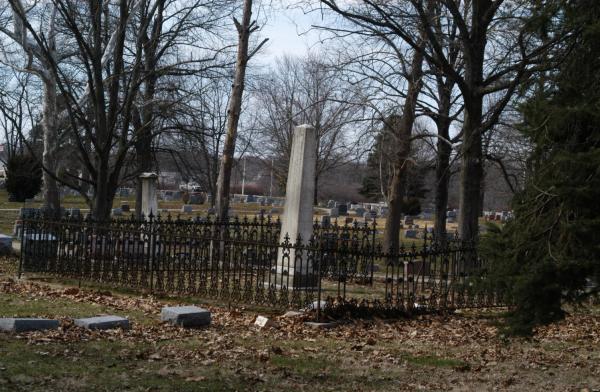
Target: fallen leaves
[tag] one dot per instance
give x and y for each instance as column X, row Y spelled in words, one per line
column 374, row 344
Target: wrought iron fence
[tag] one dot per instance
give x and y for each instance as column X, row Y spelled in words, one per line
column 243, row 260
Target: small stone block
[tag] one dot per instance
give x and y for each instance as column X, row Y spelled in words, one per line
column 293, row 313
column 315, row 305
column 320, row 325
column 103, row 322
column 27, row 324
column 263, row 322
column 186, row 316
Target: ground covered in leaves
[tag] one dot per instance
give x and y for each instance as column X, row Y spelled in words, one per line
column 457, row 352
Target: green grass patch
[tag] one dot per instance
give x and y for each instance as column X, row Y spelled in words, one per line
column 306, row 365
column 103, row 366
column 12, row 305
column 434, row 361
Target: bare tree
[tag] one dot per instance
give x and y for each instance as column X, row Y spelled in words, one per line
column 197, row 130
column 39, row 55
column 498, row 50
column 245, row 29
column 198, row 24
column 306, row 90
column 109, row 85
column 14, row 111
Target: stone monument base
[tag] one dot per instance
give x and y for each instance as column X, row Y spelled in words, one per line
column 294, row 279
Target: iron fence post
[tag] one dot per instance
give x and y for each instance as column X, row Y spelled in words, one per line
column 152, row 249
column 22, row 235
column 319, row 277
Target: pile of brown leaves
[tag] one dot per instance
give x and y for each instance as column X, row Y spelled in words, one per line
column 229, row 327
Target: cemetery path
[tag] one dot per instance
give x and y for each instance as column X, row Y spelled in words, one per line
column 457, row 352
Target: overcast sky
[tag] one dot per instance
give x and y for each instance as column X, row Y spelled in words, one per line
column 289, row 32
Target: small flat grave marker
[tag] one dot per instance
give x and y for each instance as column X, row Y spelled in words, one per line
column 411, row 234
column 263, row 322
column 27, row 324
column 5, row 245
column 186, row 316
column 103, row 322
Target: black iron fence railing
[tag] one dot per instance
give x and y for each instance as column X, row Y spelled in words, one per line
column 243, row 260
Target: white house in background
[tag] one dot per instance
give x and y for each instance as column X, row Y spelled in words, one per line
column 2, row 160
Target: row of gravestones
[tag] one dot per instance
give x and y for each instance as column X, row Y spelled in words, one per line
column 183, row 316
column 342, row 210
column 259, row 200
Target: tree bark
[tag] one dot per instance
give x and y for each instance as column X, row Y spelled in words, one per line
column 402, row 129
column 442, row 176
column 50, row 136
column 471, row 151
column 233, row 113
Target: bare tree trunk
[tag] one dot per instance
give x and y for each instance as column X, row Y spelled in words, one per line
column 442, row 176
column 102, row 200
column 402, row 129
column 471, row 151
column 316, row 195
column 470, row 180
column 391, row 235
column 233, row 112
column 444, row 149
column 50, row 136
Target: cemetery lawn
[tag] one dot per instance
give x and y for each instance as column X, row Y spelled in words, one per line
column 461, row 351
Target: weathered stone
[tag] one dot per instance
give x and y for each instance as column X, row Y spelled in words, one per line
column 5, row 245
column 28, row 212
column 317, row 325
column 292, row 313
column 315, row 305
column 372, row 214
column 196, row 198
column 186, row 316
column 411, row 234
column 27, row 324
column 103, row 322
column 74, row 213
column 263, row 322
column 298, row 211
column 149, row 199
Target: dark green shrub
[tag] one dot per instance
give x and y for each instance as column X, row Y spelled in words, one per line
column 23, row 177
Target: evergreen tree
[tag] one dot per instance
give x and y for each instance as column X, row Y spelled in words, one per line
column 23, row 177
column 549, row 254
